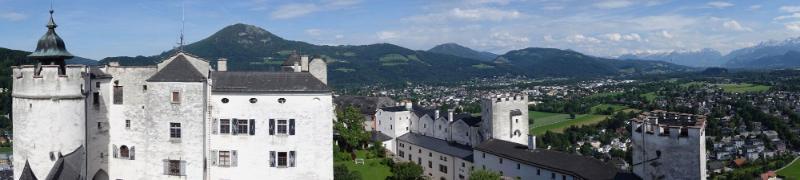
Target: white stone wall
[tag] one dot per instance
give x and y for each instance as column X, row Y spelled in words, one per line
column 319, row 69
column 313, row 114
column 393, row 124
column 441, row 129
column 681, row 157
column 49, row 116
column 497, row 121
column 513, row 169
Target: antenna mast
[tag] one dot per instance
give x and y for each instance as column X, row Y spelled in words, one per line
column 183, row 24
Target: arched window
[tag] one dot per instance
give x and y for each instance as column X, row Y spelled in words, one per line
column 517, row 133
column 123, row 151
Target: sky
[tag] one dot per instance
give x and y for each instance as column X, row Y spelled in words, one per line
column 101, row 28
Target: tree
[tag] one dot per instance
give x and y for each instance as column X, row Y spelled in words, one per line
column 484, row 175
column 406, row 171
column 340, row 171
column 350, row 129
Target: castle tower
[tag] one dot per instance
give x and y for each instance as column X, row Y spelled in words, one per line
column 48, row 106
column 505, row 117
column 668, row 145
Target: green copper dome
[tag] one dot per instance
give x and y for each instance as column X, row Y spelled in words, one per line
column 51, row 46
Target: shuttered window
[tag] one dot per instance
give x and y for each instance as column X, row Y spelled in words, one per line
column 283, row 126
column 224, row 158
column 272, row 159
column 252, row 127
column 242, row 126
column 174, row 167
column 118, row 95
column 224, row 126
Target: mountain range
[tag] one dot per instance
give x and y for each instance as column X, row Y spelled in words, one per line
column 765, row 55
column 696, row 58
column 249, row 48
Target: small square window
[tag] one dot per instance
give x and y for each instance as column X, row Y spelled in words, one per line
column 224, row 158
column 283, row 159
column 224, row 126
column 128, row 123
column 176, row 97
column 242, row 126
column 175, row 130
column 283, row 126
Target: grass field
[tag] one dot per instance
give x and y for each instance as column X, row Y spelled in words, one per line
column 743, row 88
column 5, row 149
column 603, row 107
column 371, row 169
column 791, row 171
column 557, row 122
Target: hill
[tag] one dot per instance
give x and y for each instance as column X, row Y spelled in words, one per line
column 567, row 63
column 461, row 51
column 699, row 58
column 770, row 54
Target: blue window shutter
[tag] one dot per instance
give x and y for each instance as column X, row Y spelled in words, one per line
column 272, row 159
column 271, row 126
column 252, row 127
column 291, row 126
column 234, row 126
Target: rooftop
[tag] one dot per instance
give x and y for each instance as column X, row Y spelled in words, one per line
column 438, row 145
column 253, row 81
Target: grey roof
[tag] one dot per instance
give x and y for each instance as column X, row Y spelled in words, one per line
column 420, row 111
column 178, row 70
column 574, row 165
column 438, row 145
column 51, row 46
column 69, row 167
column 474, row 121
column 377, row 136
column 226, row 81
column 366, row 104
column 27, row 173
column 395, row 108
column 96, row 73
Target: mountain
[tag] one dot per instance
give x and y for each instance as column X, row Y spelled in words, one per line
column 773, row 52
column 698, row 58
column 250, row 48
column 568, row 63
column 461, row 51
column 787, row 60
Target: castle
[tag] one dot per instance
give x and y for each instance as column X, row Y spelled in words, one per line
column 450, row 146
column 669, row 145
column 179, row 119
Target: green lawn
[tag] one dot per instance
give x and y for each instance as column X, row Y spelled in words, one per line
column 650, row 97
column 743, row 88
column 5, row 149
column 791, row 171
column 694, row 83
column 557, row 122
column 603, row 107
column 371, row 169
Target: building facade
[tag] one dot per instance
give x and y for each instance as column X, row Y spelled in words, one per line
column 669, row 145
column 178, row 119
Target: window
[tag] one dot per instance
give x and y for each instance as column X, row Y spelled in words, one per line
column 97, row 85
column 225, row 126
column 118, row 95
column 484, row 155
column 124, row 152
column 224, row 158
column 96, row 98
column 463, row 164
column 253, row 100
column 144, row 87
column 443, row 158
column 175, row 130
column 563, row 177
column 442, row 168
column 518, row 166
column 430, row 154
column 283, row 159
column 242, row 126
column 538, row 171
column 176, row 97
column 419, row 150
column 430, row 164
column 281, row 100
column 225, row 100
column 99, row 125
column 283, row 126
column 174, row 167
column 553, row 175
column 401, row 153
column 127, row 123
column 501, row 160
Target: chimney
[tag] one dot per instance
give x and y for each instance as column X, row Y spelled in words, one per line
column 304, row 63
column 436, row 114
column 450, row 115
column 296, row 67
column 409, row 105
column 222, row 64
column 531, row 142
column 113, row 63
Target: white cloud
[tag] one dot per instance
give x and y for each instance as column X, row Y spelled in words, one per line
column 791, row 16
column 580, row 38
column 549, row 38
column 476, row 14
column 720, row 4
column 794, row 26
column 293, row 10
column 623, row 37
column 13, row 16
column 734, row 25
column 755, row 7
column 666, row 34
column 612, row 4
column 508, row 37
column 313, row 32
column 384, row 35
column 789, row 9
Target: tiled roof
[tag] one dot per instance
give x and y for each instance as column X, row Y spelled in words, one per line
column 69, row 166
column 575, row 165
column 438, row 145
column 232, row 81
column 179, row 70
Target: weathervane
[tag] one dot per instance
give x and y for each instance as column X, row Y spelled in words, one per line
column 183, row 25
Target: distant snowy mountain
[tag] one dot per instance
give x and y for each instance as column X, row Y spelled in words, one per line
column 696, row 58
column 756, row 57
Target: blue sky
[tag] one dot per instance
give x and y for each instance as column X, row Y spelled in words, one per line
column 101, row 28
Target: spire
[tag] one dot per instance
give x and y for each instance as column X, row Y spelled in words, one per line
column 51, row 47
